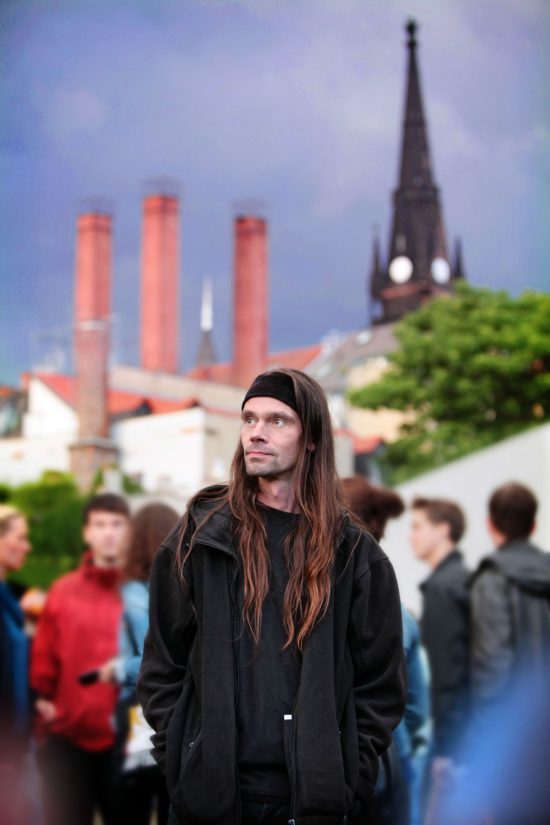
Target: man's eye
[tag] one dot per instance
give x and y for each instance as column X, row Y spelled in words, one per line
column 249, row 420
column 279, row 422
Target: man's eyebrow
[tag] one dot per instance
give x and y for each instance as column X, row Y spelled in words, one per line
column 269, row 414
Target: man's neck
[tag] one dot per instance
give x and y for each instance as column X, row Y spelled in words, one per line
column 277, row 494
column 439, row 554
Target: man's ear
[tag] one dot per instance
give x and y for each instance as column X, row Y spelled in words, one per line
column 311, row 447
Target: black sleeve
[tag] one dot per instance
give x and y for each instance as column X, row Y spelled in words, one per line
column 379, row 667
column 171, row 631
column 446, row 637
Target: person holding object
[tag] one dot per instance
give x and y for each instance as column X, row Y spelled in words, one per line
column 77, row 633
column 273, row 669
column 142, row 784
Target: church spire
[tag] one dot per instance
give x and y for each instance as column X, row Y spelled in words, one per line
column 206, row 355
column 416, row 167
column 376, row 276
column 418, row 263
column 458, row 266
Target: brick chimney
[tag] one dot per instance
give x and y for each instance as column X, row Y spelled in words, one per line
column 160, row 284
column 250, row 298
column 93, row 449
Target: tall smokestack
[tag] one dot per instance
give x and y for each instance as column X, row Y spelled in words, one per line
column 93, row 449
column 160, row 284
column 250, row 298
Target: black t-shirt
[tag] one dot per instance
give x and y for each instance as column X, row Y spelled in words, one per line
column 268, row 680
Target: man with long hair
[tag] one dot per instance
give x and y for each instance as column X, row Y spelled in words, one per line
column 273, row 672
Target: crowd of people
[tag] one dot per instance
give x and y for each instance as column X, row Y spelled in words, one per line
column 68, row 695
column 251, row 662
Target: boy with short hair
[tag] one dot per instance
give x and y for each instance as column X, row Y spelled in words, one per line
column 76, row 635
column 437, row 526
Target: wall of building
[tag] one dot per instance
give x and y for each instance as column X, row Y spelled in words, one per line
column 221, row 437
column 470, row 481
column 25, row 459
column 164, row 385
column 47, row 414
column 163, row 450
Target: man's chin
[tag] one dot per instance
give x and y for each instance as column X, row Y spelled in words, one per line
column 256, row 468
column 108, row 561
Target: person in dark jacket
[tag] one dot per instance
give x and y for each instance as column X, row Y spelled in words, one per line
column 401, row 783
column 508, row 751
column 510, row 599
column 14, row 683
column 273, row 668
column 437, row 526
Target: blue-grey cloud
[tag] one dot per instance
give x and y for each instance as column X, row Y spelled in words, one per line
column 297, row 103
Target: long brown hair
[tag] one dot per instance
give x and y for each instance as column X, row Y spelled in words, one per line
column 150, row 525
column 371, row 504
column 311, row 546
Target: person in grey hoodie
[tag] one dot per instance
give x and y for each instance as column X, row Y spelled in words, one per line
column 510, row 601
column 507, row 751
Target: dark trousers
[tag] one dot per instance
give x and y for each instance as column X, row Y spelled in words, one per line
column 76, row 783
column 263, row 813
column 253, row 813
column 137, row 793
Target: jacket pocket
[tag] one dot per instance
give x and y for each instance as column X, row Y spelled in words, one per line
column 182, row 733
column 349, row 742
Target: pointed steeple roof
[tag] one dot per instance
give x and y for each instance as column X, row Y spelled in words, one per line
column 376, row 272
column 206, row 355
column 418, row 265
column 416, row 167
column 458, row 266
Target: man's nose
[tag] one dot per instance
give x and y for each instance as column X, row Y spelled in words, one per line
column 257, row 432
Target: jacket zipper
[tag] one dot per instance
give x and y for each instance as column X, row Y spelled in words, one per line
column 294, row 777
column 237, row 629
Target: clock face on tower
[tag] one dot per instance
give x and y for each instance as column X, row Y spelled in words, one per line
column 441, row 271
column 400, row 269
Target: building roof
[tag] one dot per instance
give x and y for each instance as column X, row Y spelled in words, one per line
column 298, row 359
column 119, row 402
column 339, row 353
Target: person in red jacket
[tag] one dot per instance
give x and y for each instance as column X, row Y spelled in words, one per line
column 77, row 635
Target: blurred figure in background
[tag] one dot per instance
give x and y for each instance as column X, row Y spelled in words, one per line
column 14, row 685
column 142, row 782
column 77, row 634
column 510, row 600
column 375, row 505
column 511, row 661
column 506, row 758
column 437, row 526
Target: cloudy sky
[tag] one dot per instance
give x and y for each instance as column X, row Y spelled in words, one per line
column 296, row 103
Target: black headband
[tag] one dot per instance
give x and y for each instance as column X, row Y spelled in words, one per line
column 273, row 385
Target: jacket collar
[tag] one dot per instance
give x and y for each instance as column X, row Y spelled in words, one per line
column 451, row 558
column 215, row 529
column 108, row 577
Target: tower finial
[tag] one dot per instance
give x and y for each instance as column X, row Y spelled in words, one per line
column 207, row 309
column 411, row 28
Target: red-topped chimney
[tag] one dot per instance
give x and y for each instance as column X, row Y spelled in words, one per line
column 93, row 266
column 250, row 298
column 93, row 449
column 160, row 284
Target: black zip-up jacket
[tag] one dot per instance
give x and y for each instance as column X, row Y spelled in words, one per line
column 445, row 633
column 352, row 684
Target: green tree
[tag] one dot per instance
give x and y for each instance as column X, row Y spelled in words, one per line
column 53, row 507
column 470, row 369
